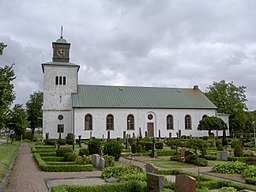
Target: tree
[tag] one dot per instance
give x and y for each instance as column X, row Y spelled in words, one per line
column 17, row 119
column 2, row 46
column 34, row 111
column 6, row 91
column 229, row 99
column 211, row 123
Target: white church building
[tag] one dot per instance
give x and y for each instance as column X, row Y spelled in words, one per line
column 116, row 111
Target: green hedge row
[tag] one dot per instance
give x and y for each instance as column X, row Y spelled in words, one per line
column 248, row 160
column 52, row 159
column 134, row 186
column 43, row 149
column 60, row 168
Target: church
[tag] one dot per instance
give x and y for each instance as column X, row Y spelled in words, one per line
column 102, row 111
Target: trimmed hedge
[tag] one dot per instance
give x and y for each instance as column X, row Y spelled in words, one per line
column 134, row 186
column 53, row 167
column 52, row 159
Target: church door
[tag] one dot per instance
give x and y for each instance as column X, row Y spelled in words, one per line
column 150, row 129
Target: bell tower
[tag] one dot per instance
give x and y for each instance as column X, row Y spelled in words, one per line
column 60, row 82
column 61, row 49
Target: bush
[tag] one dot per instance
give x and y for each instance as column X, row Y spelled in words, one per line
column 51, row 141
column 94, row 146
column 123, row 173
column 70, row 157
column 62, row 151
column 229, row 167
column 159, row 145
column 113, row 148
column 62, row 142
column 227, row 189
column 134, row 186
column 194, row 159
column 250, row 171
column 83, row 152
column 177, row 157
column 82, row 160
column 238, row 152
column 251, row 180
column 70, row 139
column 134, row 148
column 109, row 160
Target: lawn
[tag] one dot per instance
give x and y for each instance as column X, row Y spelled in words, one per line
column 7, row 154
column 165, row 162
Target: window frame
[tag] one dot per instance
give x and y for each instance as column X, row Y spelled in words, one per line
column 88, row 122
column 169, row 122
column 110, row 122
column 130, row 122
column 188, row 122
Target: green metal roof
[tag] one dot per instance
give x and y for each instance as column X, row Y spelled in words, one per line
column 99, row 96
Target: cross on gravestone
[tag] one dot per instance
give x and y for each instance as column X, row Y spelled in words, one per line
column 184, row 183
column 155, row 183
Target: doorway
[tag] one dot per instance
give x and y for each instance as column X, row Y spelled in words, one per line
column 150, row 129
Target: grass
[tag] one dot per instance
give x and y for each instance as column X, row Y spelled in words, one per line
column 165, row 162
column 7, row 154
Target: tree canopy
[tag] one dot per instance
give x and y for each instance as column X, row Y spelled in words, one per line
column 34, row 110
column 17, row 119
column 6, row 91
column 229, row 99
column 211, row 123
column 2, row 46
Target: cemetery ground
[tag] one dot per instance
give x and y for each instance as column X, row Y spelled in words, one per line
column 26, row 175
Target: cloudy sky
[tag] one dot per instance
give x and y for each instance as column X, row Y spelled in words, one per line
column 163, row 43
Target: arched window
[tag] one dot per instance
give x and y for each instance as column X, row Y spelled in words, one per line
column 64, row 80
column 56, row 80
column 188, row 124
column 88, row 122
column 110, row 122
column 169, row 122
column 130, row 122
column 60, row 79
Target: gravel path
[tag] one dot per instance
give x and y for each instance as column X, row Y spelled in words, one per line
column 26, row 176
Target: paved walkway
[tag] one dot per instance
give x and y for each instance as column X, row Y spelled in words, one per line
column 26, row 176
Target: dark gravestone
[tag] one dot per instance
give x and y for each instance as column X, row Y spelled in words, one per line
column 159, row 134
column 46, row 137
column 155, row 183
column 124, row 135
column 108, row 135
column 146, row 133
column 140, row 134
column 184, row 183
column 170, row 135
column 79, row 140
column 179, row 133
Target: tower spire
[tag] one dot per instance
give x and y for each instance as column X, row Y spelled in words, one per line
column 61, row 32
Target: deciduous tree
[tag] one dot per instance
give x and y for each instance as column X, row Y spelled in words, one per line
column 6, row 91
column 229, row 99
column 211, row 123
column 34, row 111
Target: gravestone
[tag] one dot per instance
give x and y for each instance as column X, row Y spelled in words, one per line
column 184, row 183
column 155, row 183
column 170, row 135
column 159, row 134
column 151, row 168
column 108, row 135
column 79, row 140
column 95, row 160
column 101, row 164
column 140, row 134
column 124, row 136
column 46, row 137
column 222, row 155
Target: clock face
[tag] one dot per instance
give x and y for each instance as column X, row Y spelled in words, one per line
column 61, row 53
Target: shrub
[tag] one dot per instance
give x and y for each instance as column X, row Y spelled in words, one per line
column 113, row 148
column 51, row 141
column 123, row 172
column 62, row 142
column 238, row 152
column 194, row 159
column 109, row 160
column 177, row 157
column 251, row 180
column 82, row 160
column 159, row 145
column 84, row 151
column 94, row 146
column 70, row 157
column 69, row 139
column 62, row 151
column 227, row 189
column 229, row 167
column 134, row 148
column 250, row 171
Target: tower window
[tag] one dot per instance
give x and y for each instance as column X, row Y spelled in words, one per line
column 64, row 80
column 56, row 80
column 60, row 80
